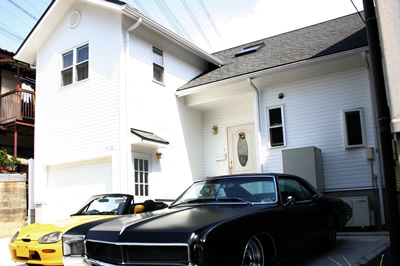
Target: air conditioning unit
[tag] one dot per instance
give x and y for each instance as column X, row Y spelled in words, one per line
column 359, row 211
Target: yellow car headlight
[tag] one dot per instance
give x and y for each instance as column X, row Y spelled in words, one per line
column 14, row 237
column 51, row 238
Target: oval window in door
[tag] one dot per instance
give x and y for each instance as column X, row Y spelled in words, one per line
column 242, row 149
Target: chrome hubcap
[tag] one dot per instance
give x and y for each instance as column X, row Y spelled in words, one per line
column 253, row 255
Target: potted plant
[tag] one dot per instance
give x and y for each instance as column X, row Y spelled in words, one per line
column 4, row 161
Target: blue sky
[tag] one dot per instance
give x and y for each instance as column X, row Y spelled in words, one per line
column 213, row 25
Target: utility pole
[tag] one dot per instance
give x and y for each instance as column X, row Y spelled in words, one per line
column 385, row 134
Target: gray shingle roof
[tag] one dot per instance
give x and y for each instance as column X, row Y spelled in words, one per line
column 326, row 38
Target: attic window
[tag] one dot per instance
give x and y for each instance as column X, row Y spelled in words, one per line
column 250, row 49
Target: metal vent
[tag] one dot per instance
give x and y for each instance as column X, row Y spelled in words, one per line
column 74, row 19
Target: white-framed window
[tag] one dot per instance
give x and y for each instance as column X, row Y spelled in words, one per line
column 158, row 65
column 75, row 65
column 276, row 126
column 353, row 128
column 142, row 170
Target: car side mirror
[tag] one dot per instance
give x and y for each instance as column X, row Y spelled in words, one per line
column 290, row 200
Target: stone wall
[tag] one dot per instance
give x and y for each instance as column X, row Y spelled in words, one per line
column 13, row 198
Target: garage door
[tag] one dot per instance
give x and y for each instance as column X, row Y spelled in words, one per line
column 69, row 186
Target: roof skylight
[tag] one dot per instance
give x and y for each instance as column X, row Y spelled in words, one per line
column 249, row 49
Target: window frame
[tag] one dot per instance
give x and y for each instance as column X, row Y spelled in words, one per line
column 269, row 127
column 345, row 128
column 157, row 66
column 73, row 68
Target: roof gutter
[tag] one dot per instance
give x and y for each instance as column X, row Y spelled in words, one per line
column 157, row 27
column 200, row 88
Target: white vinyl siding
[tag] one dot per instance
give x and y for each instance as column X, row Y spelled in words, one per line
column 315, row 97
column 162, row 113
column 79, row 122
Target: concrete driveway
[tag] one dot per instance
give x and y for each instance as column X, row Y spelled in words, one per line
column 351, row 249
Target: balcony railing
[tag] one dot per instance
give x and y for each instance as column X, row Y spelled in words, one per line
column 17, row 105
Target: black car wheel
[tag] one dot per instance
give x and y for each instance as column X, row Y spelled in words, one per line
column 253, row 254
column 332, row 230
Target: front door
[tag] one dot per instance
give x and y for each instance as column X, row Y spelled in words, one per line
column 142, row 170
column 242, row 149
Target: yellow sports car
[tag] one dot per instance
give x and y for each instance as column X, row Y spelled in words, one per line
column 41, row 243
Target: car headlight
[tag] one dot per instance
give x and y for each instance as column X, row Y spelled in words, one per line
column 51, row 238
column 14, row 237
column 73, row 245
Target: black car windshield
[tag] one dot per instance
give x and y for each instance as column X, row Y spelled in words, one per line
column 235, row 190
column 104, row 205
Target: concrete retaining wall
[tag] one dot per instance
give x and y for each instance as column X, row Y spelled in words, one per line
column 13, row 211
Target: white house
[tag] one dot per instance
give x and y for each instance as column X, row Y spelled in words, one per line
column 303, row 101
column 125, row 105
column 106, row 106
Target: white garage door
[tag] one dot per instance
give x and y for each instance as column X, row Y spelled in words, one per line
column 69, row 186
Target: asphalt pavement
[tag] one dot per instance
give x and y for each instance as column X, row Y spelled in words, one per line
column 351, row 249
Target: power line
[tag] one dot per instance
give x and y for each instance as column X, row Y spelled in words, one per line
column 172, row 19
column 142, row 8
column 5, row 27
column 18, row 38
column 23, row 10
column 196, row 22
column 210, row 18
column 32, row 6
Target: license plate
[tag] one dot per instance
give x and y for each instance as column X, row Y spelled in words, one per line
column 23, row 251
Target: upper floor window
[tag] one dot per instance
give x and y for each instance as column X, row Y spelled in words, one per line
column 158, row 65
column 276, row 126
column 75, row 65
column 354, row 134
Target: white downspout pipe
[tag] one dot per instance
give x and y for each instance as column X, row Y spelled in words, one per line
column 125, row 152
column 257, row 124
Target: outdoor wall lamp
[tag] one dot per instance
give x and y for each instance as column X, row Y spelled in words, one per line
column 158, row 155
column 214, row 130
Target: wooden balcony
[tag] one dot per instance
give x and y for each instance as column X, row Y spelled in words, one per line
column 17, row 107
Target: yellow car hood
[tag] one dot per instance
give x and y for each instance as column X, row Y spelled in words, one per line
column 37, row 230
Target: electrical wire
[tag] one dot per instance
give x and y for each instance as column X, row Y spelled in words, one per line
column 23, row 10
column 210, row 18
column 359, row 13
column 196, row 22
column 172, row 19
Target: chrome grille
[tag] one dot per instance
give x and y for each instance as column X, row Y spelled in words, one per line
column 136, row 253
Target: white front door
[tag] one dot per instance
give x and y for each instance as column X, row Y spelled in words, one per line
column 242, row 149
column 142, row 170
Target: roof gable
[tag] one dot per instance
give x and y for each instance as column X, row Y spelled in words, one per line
column 58, row 9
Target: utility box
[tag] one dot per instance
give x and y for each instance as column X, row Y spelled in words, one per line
column 359, row 211
column 306, row 163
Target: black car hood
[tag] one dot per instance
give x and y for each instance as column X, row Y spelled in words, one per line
column 172, row 224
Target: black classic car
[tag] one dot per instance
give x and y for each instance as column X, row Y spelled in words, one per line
column 253, row 219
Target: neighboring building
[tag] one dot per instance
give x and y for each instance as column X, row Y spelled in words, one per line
column 17, row 106
column 389, row 27
column 125, row 105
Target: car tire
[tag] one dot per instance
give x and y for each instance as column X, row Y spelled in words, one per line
column 330, row 240
column 253, row 254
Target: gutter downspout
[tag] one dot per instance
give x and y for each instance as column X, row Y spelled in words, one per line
column 124, row 149
column 379, row 162
column 257, row 124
